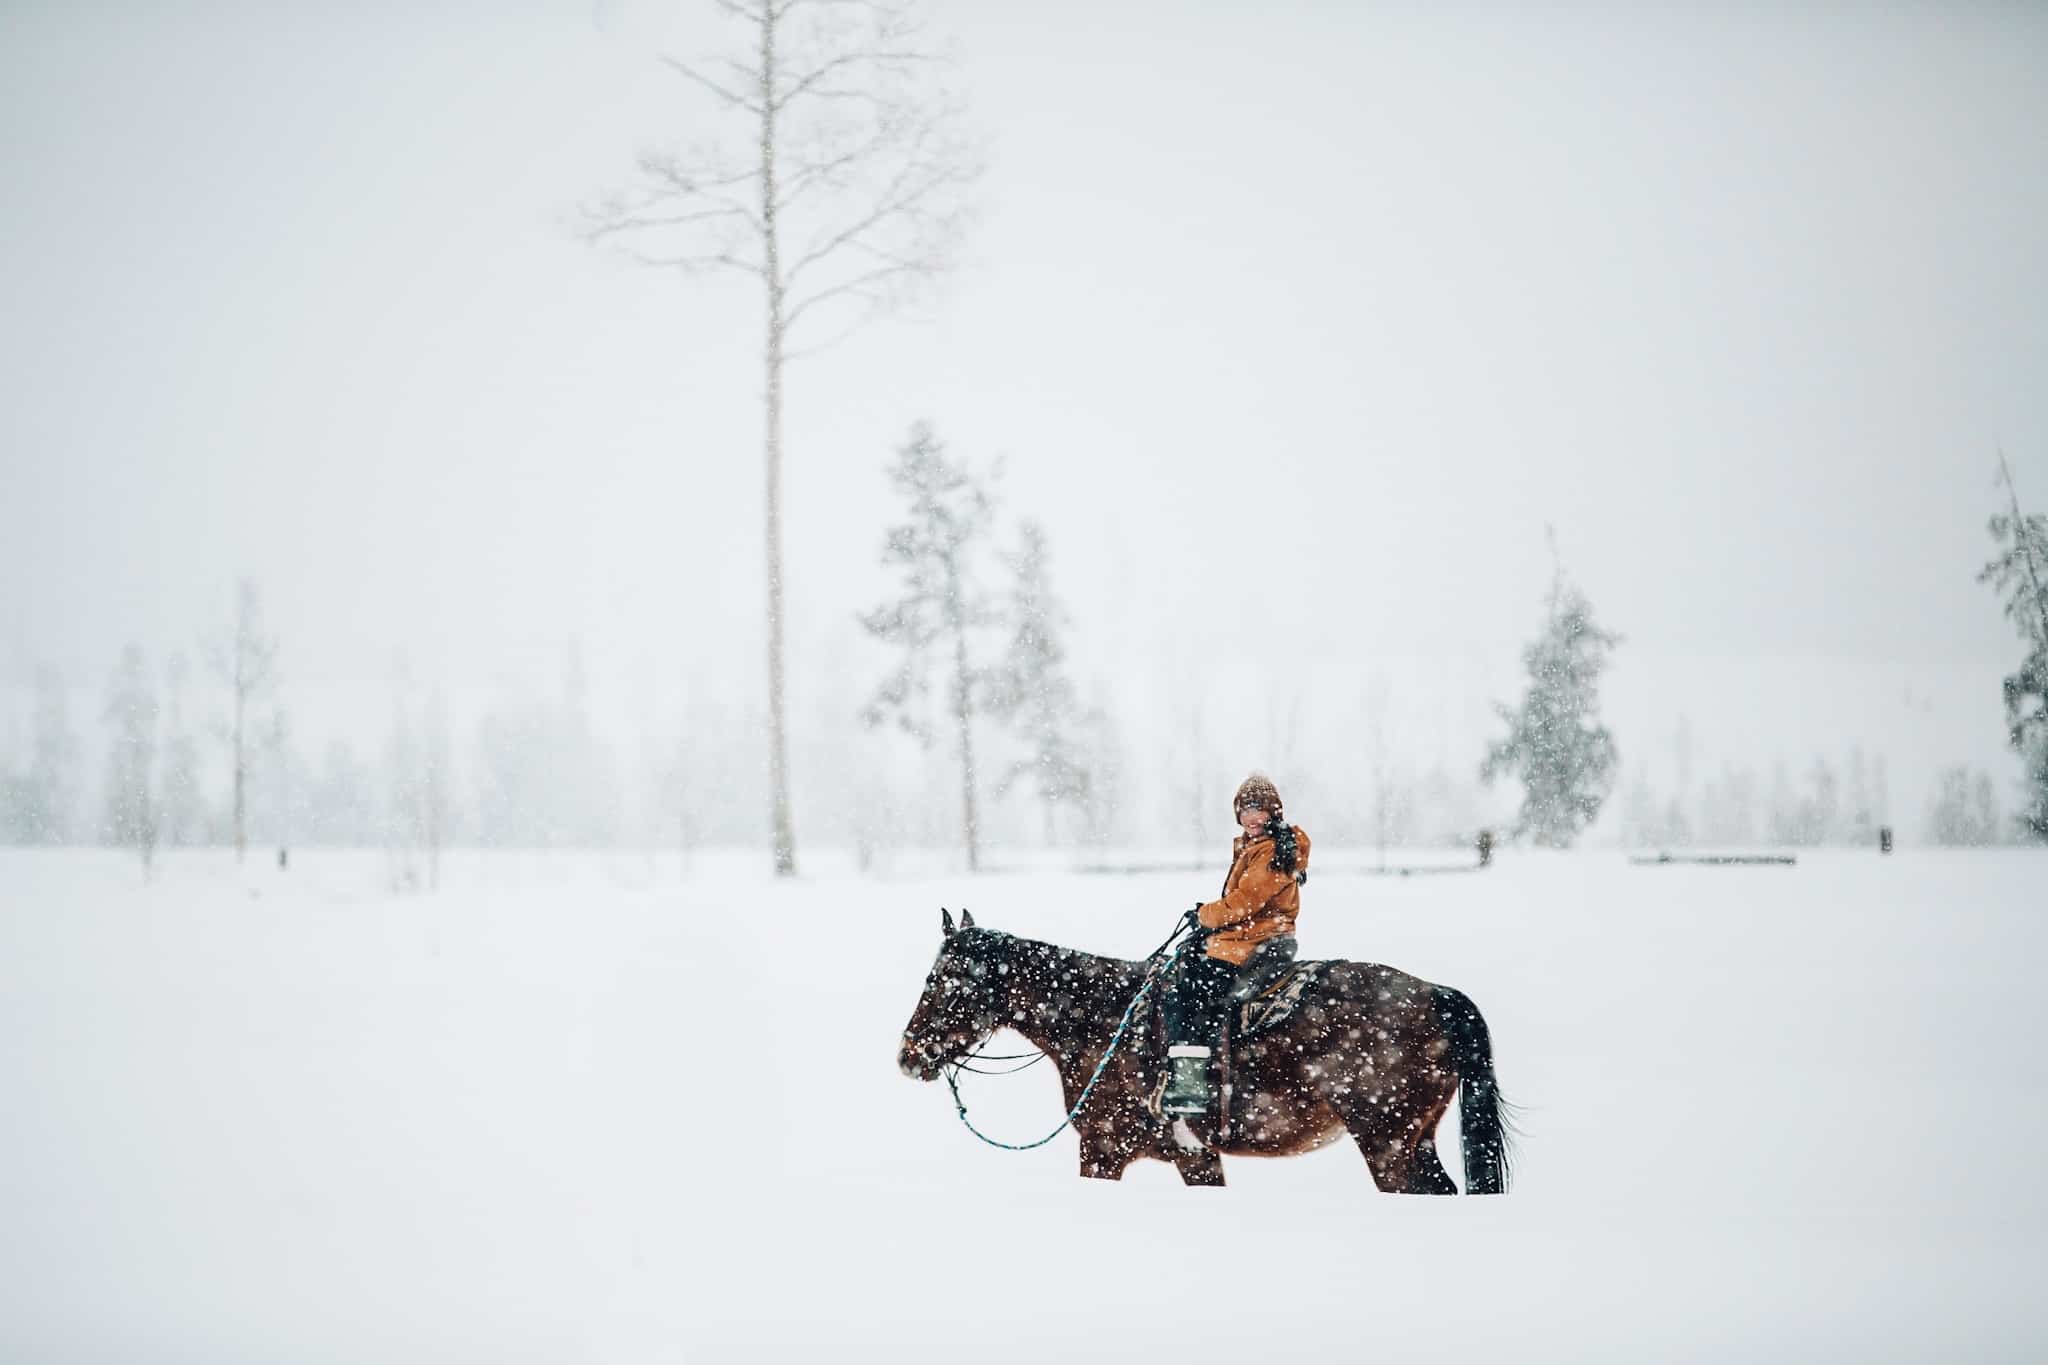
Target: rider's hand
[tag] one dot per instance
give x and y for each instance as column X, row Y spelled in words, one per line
column 1193, row 920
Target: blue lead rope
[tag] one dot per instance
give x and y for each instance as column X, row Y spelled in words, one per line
column 1152, row 974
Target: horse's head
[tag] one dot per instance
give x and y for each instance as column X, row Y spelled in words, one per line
column 961, row 1004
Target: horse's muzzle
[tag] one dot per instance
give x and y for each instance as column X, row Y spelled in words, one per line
column 920, row 1063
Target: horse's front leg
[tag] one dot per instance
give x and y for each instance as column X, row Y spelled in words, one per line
column 1199, row 1168
column 1105, row 1151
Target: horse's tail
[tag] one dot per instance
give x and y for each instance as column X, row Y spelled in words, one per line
column 1483, row 1128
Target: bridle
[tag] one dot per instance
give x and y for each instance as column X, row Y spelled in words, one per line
column 1155, row 966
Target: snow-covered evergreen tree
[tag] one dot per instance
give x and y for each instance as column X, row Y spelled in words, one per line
column 1030, row 688
column 131, row 716
column 943, row 607
column 1555, row 742
column 2019, row 573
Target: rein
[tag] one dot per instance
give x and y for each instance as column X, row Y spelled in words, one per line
column 1035, row 1059
column 1155, row 965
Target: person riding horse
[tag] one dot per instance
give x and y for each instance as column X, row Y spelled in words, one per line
column 1245, row 940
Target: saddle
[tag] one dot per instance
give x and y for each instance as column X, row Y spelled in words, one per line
column 1276, row 1003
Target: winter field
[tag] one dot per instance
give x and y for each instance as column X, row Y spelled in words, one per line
column 585, row 1108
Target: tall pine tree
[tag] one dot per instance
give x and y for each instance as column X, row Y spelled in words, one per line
column 1555, row 743
column 1031, row 689
column 942, row 609
column 2019, row 573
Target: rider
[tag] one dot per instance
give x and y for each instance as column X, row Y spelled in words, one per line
column 1247, row 938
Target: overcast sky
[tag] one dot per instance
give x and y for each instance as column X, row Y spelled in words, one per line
column 1294, row 323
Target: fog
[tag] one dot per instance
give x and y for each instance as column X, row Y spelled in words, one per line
column 1294, row 325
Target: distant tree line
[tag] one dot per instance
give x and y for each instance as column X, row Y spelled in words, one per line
column 1822, row 803
column 977, row 673
column 152, row 794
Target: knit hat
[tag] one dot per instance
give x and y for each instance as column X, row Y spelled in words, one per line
column 1258, row 790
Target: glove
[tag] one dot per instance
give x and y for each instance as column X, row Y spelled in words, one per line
column 1193, row 920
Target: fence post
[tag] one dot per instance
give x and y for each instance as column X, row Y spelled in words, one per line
column 1485, row 847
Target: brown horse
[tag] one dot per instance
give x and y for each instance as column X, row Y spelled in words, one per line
column 1369, row 1051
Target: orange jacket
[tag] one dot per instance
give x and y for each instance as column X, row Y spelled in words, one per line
column 1258, row 903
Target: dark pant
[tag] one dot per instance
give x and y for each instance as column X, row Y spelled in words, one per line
column 1193, row 1010
column 1204, row 986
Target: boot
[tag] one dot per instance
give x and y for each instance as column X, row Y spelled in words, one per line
column 1187, row 1081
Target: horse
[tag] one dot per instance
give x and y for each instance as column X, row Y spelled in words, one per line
column 1368, row 1051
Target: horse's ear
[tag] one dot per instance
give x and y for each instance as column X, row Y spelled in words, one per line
column 946, row 921
column 966, row 919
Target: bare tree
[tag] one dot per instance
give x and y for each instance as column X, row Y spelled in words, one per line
column 842, row 199
column 246, row 661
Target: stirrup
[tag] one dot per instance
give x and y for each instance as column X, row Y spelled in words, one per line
column 1187, row 1081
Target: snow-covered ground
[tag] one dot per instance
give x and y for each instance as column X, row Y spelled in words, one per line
column 585, row 1109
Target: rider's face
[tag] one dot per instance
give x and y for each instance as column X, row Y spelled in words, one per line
column 1254, row 821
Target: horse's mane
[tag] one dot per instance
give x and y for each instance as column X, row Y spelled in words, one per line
column 1070, row 990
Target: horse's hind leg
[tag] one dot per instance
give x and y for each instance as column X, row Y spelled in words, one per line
column 1199, row 1168
column 1384, row 1158
column 1401, row 1160
column 1426, row 1174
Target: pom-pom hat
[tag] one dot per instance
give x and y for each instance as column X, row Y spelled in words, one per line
column 1256, row 790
